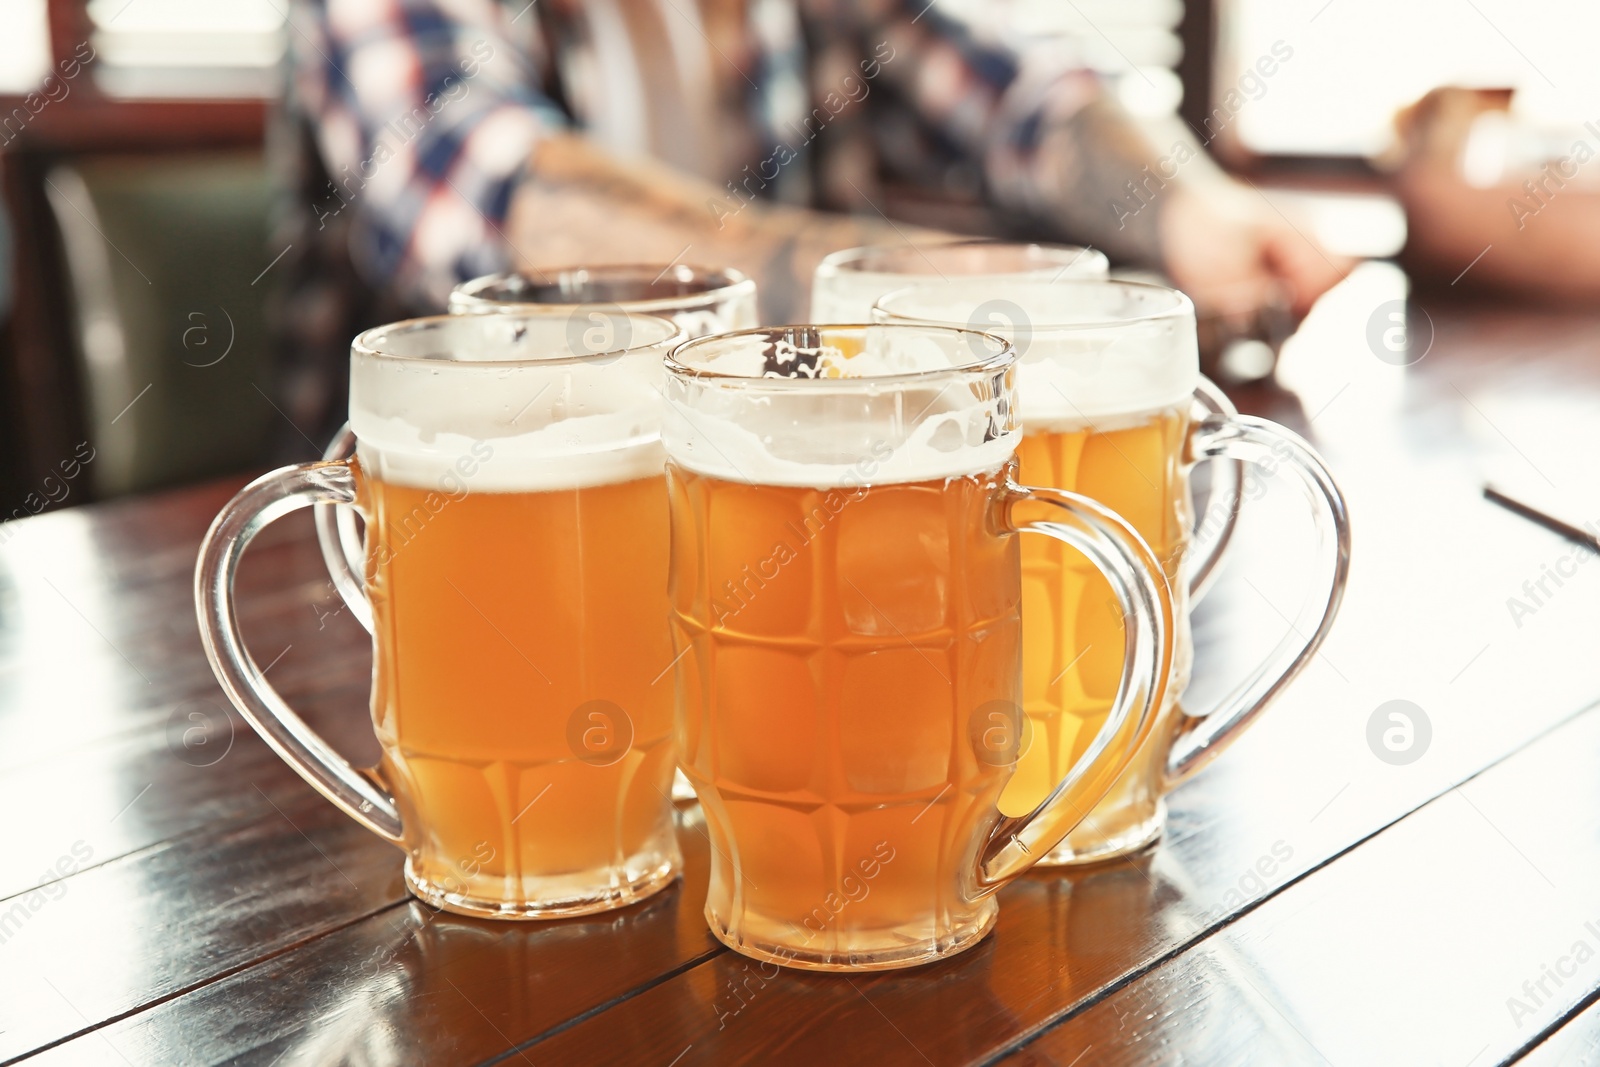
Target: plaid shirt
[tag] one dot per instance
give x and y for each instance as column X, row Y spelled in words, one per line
column 428, row 112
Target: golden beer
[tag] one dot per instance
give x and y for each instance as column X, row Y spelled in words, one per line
column 846, row 588
column 837, row 644
column 1105, row 396
column 702, row 300
column 511, row 477
column 1073, row 631
column 1108, row 381
column 520, row 695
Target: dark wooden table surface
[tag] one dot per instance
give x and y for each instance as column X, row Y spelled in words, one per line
column 173, row 895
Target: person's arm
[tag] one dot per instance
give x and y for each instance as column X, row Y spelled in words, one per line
column 493, row 179
column 578, row 204
column 1049, row 145
column 426, row 114
column 1055, row 148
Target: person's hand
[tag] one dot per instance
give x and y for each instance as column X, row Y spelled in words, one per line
column 1224, row 245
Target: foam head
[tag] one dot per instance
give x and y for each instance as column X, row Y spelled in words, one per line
column 703, row 300
column 512, row 402
column 841, row 406
column 1088, row 352
column 846, row 284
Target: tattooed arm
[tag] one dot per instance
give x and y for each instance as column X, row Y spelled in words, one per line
column 581, row 205
column 1055, row 149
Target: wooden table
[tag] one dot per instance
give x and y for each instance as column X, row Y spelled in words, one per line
column 1310, row 903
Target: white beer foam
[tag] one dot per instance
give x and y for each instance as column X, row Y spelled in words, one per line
column 1088, row 352
column 1120, row 385
column 940, row 448
column 525, row 463
column 845, row 435
column 520, row 429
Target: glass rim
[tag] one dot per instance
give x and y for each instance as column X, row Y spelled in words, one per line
column 1004, row 357
column 729, row 282
column 1181, row 307
column 369, row 341
column 850, row 259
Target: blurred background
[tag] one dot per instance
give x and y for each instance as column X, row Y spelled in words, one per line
column 145, row 158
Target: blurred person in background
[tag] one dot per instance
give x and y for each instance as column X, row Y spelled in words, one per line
column 436, row 140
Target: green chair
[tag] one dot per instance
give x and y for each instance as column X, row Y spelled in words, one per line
column 166, row 256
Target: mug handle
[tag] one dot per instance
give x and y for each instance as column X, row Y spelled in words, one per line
column 1227, row 497
column 342, row 547
column 360, row 795
column 1140, row 586
column 1243, row 438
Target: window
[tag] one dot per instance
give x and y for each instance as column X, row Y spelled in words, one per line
column 1134, row 43
column 188, row 48
column 25, row 46
column 1355, row 62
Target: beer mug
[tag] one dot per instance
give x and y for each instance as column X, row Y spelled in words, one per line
column 1107, row 380
column 702, row 300
column 515, row 573
column 847, row 283
column 846, row 595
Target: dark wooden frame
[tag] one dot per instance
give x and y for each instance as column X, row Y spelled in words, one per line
column 41, row 397
column 1197, row 70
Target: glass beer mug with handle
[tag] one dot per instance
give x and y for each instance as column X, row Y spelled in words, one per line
column 701, row 300
column 846, row 595
column 1107, row 379
column 847, row 283
column 516, row 565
